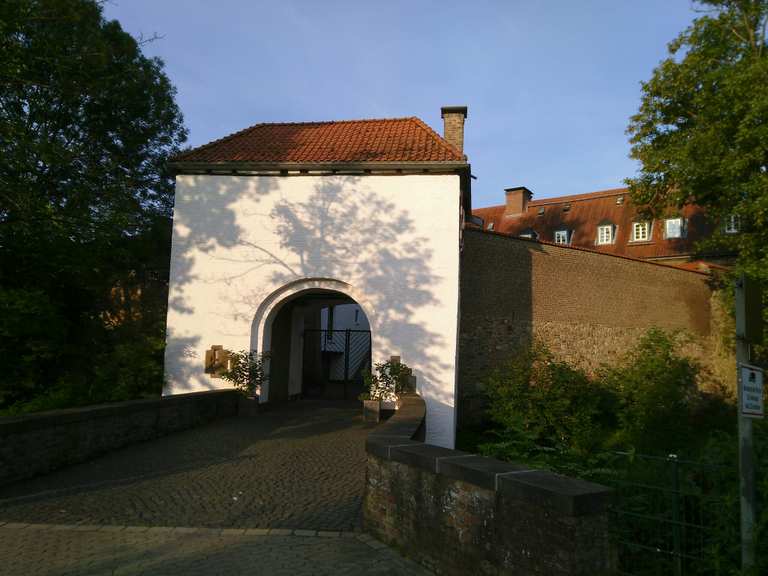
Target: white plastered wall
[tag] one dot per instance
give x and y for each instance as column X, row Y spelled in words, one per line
column 243, row 244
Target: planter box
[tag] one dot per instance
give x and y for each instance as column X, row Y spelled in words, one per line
column 371, row 411
column 247, row 406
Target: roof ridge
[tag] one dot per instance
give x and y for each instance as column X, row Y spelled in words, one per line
column 567, row 198
column 244, row 131
column 583, row 196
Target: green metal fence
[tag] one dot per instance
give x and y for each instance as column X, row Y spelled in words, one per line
column 672, row 516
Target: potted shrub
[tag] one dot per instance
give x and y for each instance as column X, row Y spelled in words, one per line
column 246, row 372
column 385, row 385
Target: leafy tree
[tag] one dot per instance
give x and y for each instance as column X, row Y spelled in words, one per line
column 701, row 134
column 86, row 125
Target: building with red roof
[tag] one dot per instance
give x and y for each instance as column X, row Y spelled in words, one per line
column 605, row 221
column 333, row 246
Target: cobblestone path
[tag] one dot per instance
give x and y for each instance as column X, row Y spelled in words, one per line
column 299, row 466
column 58, row 550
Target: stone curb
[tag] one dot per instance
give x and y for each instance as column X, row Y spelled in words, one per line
column 191, row 530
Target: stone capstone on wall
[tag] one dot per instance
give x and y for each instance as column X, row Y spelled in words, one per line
column 34, row 444
column 459, row 513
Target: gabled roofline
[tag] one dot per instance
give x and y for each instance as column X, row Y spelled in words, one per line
column 562, row 199
column 442, row 142
column 181, row 167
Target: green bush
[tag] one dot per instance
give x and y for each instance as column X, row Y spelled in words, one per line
column 545, row 413
column 539, row 406
column 656, row 387
column 545, row 409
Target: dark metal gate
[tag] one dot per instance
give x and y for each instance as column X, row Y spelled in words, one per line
column 335, row 361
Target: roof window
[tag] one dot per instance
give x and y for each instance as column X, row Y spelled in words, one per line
column 619, row 200
column 566, row 207
column 641, row 231
column 529, row 233
column 562, row 237
column 605, row 234
column 675, row 227
column 541, row 211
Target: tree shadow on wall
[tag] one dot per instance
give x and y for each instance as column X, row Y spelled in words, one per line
column 344, row 230
column 204, row 222
column 347, row 231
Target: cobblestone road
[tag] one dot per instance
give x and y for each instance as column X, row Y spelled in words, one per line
column 298, row 466
column 51, row 550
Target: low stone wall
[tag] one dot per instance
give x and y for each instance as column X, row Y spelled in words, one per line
column 38, row 443
column 460, row 513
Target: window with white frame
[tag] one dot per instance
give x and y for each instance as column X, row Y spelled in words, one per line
column 605, row 234
column 674, row 228
column 641, row 231
column 732, row 224
column 562, row 237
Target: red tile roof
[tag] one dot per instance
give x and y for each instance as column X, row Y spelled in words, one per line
column 386, row 140
column 586, row 212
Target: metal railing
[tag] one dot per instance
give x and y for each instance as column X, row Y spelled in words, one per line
column 670, row 515
column 345, row 354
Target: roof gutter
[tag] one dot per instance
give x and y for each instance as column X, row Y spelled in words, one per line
column 285, row 168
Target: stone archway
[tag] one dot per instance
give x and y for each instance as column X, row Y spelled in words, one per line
column 270, row 316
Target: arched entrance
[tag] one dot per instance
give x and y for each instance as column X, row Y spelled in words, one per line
column 318, row 340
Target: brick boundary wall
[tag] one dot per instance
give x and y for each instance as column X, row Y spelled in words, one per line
column 34, row 444
column 589, row 309
column 459, row 513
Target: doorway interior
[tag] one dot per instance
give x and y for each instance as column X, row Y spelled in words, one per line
column 320, row 348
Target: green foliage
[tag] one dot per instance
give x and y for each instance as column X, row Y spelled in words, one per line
column 657, row 395
column 701, row 134
column 546, row 412
column 87, row 123
column 246, row 371
column 539, row 404
column 388, row 382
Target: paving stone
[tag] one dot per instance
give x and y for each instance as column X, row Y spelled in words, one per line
column 192, row 502
column 109, row 528
column 16, row 525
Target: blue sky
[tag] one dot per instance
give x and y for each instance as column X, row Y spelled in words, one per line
column 550, row 85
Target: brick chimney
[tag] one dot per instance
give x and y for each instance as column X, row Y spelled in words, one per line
column 453, row 125
column 517, row 200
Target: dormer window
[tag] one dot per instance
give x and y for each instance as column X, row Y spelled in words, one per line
column 605, row 234
column 732, row 224
column 541, row 211
column 641, row 231
column 490, row 226
column 529, row 233
column 566, row 207
column 674, row 228
column 619, row 200
column 562, row 237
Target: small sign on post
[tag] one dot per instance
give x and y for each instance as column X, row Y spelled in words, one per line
column 751, row 391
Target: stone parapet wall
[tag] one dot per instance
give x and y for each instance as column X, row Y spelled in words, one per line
column 38, row 443
column 459, row 513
